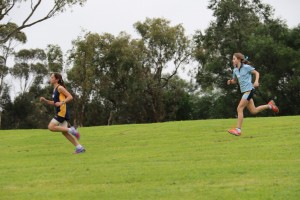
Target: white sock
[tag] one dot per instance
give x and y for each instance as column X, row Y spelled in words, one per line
column 78, row 146
column 238, row 129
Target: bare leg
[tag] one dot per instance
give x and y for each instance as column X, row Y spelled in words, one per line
column 240, row 110
column 71, row 138
column 55, row 128
column 254, row 110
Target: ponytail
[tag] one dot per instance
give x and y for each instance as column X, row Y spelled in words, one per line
column 59, row 78
column 242, row 58
column 62, row 83
column 246, row 61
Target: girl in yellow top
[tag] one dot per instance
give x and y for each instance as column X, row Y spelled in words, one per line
column 60, row 121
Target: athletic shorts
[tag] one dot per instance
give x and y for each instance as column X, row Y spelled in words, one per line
column 248, row 95
column 59, row 121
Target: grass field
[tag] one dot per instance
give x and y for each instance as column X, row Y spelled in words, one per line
column 174, row 160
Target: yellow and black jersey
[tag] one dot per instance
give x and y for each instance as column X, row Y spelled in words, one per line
column 63, row 110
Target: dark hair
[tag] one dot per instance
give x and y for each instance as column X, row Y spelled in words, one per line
column 242, row 58
column 59, row 78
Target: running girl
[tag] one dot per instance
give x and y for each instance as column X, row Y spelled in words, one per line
column 242, row 73
column 60, row 121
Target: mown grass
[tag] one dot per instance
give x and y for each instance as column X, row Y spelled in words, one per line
column 174, row 160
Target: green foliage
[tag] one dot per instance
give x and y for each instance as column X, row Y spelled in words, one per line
column 55, row 58
column 5, row 108
column 3, row 70
column 6, row 29
column 117, row 72
column 177, row 100
column 30, row 67
column 82, row 75
column 26, row 111
column 7, row 49
column 118, row 79
column 277, row 59
column 163, row 44
column 248, row 26
column 235, row 21
column 10, row 30
column 176, row 160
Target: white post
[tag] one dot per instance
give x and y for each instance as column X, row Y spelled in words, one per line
column 0, row 116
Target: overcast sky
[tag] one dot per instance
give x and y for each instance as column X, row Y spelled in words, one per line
column 114, row 16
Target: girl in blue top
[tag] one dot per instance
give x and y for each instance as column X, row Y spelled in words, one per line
column 60, row 121
column 242, row 73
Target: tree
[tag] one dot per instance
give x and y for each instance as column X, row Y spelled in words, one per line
column 164, row 46
column 177, row 98
column 121, row 79
column 82, row 75
column 276, row 56
column 11, row 32
column 7, row 49
column 54, row 58
column 7, row 6
column 30, row 66
column 235, row 21
column 107, row 71
column 5, row 106
column 248, row 26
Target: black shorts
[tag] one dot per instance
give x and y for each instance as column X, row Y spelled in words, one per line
column 60, row 119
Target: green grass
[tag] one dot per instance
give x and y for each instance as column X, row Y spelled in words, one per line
column 174, row 160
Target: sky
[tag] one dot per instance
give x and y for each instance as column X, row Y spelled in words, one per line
column 114, row 16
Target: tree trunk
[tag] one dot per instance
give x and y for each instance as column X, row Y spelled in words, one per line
column 0, row 117
column 109, row 121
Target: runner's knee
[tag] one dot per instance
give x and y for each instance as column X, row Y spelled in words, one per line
column 51, row 127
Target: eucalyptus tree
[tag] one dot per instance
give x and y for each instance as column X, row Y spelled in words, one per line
column 166, row 47
column 7, row 50
column 54, row 58
column 54, row 7
column 247, row 26
column 236, row 21
column 276, row 54
column 82, row 72
column 30, row 67
column 121, row 78
column 107, row 71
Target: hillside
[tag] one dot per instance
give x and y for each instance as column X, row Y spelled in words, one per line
column 174, row 160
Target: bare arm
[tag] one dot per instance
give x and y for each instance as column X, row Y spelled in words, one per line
column 256, row 82
column 43, row 100
column 231, row 81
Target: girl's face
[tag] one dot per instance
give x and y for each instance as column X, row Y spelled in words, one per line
column 235, row 61
column 53, row 80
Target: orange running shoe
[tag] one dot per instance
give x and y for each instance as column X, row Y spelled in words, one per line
column 273, row 106
column 235, row 132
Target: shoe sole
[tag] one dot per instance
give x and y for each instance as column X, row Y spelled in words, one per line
column 272, row 103
column 83, row 151
column 234, row 134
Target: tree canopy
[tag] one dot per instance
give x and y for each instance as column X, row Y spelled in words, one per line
column 9, row 29
column 117, row 79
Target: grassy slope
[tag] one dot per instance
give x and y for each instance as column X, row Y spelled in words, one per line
column 176, row 160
